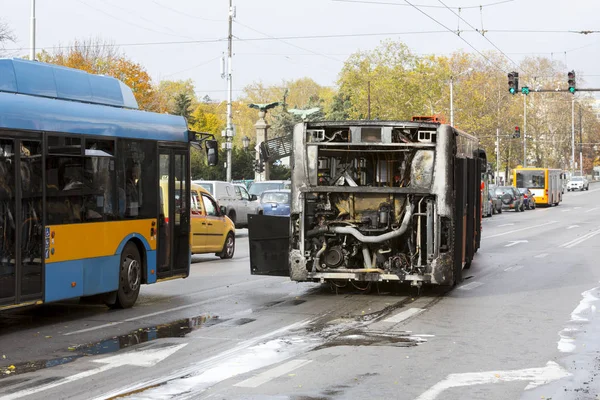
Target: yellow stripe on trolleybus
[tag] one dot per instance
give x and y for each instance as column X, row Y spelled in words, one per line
column 96, row 239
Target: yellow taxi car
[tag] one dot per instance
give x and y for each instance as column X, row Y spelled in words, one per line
column 211, row 230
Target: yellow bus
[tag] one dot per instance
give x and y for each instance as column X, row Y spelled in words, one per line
column 546, row 184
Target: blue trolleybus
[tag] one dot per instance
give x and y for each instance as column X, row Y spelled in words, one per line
column 80, row 196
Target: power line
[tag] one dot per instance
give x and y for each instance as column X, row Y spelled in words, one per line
column 460, row 37
column 129, row 11
column 185, row 14
column 423, row 5
column 125, row 21
column 482, row 33
column 194, row 67
column 289, row 44
column 299, row 37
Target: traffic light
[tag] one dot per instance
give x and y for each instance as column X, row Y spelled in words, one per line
column 513, row 82
column 571, row 76
column 525, row 90
column 259, row 166
column 517, row 133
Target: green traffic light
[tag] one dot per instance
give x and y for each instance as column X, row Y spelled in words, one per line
column 525, row 90
column 572, row 89
column 511, row 90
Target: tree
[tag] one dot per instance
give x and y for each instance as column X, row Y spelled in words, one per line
column 6, row 35
column 168, row 91
column 182, row 107
column 99, row 57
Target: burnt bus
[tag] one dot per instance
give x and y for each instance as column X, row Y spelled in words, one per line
column 375, row 201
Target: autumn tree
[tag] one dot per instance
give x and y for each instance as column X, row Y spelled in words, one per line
column 100, row 57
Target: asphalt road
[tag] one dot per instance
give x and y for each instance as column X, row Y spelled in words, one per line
column 522, row 325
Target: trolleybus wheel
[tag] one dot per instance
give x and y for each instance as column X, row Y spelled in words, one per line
column 130, row 277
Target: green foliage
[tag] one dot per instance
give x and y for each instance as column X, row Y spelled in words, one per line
column 183, row 104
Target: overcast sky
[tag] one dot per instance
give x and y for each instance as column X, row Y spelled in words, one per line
column 128, row 22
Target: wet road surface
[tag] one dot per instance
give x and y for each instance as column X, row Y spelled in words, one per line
column 521, row 325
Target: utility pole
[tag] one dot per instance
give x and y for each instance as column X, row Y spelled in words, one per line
column 573, row 136
column 451, row 101
column 369, row 100
column 229, row 129
column 580, row 142
column 525, row 130
column 497, row 155
column 32, row 33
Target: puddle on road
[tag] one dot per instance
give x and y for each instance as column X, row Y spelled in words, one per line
column 357, row 337
column 179, row 328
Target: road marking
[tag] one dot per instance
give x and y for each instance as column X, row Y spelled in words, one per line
column 470, row 286
column 515, row 242
column 543, row 255
column 404, row 315
column 500, row 226
column 519, row 230
column 576, row 208
column 227, row 364
column 143, row 358
column 273, row 373
column 537, row 377
column 579, row 240
column 198, row 303
column 592, row 209
column 567, row 210
column 573, row 226
column 514, row 268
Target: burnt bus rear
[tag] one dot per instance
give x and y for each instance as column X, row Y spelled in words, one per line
column 375, row 201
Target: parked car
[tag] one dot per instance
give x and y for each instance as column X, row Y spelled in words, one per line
column 250, row 201
column 496, row 202
column 578, row 183
column 487, row 206
column 237, row 205
column 257, row 188
column 511, row 198
column 528, row 198
column 211, row 230
column 276, row 202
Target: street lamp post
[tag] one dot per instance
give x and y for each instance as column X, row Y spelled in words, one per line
column 452, row 93
column 245, row 142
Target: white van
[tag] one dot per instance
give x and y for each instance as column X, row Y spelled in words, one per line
column 235, row 198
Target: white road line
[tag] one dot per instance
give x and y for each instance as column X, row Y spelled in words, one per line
column 515, row 242
column 567, row 210
column 273, row 373
column 592, row 209
column 581, row 239
column 500, row 226
column 514, row 268
column 404, row 315
column 470, row 286
column 576, row 208
column 519, row 230
column 94, row 328
column 535, row 376
column 543, row 255
column 573, row 226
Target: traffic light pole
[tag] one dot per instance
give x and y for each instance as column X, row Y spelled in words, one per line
column 497, row 155
column 525, row 131
column 573, row 136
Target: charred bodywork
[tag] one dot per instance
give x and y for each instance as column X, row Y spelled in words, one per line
column 375, row 201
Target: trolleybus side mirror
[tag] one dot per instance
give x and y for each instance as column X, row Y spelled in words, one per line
column 212, row 152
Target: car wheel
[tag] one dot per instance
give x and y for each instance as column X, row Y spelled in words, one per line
column 130, row 277
column 228, row 247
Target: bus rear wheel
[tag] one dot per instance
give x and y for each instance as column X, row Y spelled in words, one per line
column 130, row 277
